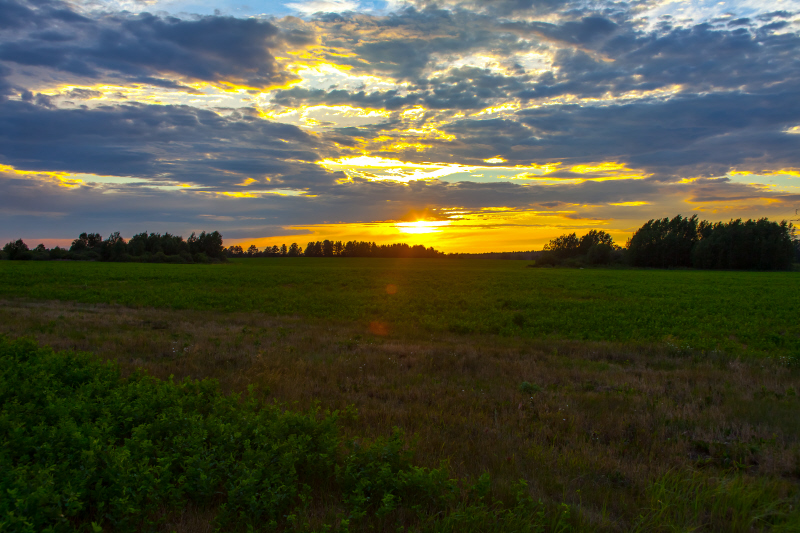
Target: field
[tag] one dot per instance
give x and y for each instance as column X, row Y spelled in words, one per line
column 735, row 312
column 635, row 400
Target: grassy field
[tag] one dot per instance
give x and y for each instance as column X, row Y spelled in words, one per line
column 627, row 400
column 733, row 312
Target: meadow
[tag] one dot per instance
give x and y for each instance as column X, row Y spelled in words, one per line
column 734, row 312
column 477, row 395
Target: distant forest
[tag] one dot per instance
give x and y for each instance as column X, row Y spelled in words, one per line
column 328, row 248
column 203, row 248
column 683, row 242
column 679, row 242
column 144, row 247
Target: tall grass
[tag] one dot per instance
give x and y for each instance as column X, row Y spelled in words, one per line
column 692, row 501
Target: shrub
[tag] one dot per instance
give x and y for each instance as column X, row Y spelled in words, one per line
column 82, row 448
column 81, row 444
column 529, row 388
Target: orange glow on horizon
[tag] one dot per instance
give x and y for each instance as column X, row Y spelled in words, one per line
column 471, row 231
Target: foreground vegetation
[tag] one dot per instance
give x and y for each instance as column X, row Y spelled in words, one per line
column 693, row 310
column 610, row 437
column 97, row 450
column 397, row 395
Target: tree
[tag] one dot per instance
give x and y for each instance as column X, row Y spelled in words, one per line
column 93, row 240
column 114, row 247
column 80, row 244
column 796, row 243
column 564, row 246
column 17, row 250
column 235, row 251
column 751, row 245
column 209, row 244
column 137, row 246
column 594, row 238
column 252, row 250
column 665, row 243
column 294, row 250
column 284, row 250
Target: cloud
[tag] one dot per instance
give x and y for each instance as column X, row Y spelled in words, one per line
column 666, row 108
column 144, row 47
column 168, row 143
column 323, row 6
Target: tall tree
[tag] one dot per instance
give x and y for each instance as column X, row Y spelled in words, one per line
column 664, row 243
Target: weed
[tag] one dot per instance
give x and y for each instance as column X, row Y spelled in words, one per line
column 528, row 388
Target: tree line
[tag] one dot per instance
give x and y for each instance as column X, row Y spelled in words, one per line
column 328, row 248
column 736, row 245
column 142, row 247
column 660, row 243
column 686, row 242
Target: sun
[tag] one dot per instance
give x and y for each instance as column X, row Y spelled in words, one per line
column 421, row 226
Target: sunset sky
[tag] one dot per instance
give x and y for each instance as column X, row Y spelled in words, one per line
column 477, row 125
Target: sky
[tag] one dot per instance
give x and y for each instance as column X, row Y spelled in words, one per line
column 470, row 126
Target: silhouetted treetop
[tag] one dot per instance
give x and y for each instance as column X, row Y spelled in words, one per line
column 152, row 247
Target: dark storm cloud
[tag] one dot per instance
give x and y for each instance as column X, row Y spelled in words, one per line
column 145, row 47
column 177, row 143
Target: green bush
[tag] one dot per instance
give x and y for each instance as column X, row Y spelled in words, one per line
column 80, row 444
column 82, row 449
column 529, row 388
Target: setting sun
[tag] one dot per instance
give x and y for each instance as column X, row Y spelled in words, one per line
column 422, row 226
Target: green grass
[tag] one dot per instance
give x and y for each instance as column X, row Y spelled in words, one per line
column 694, row 311
column 490, row 369
column 82, row 449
